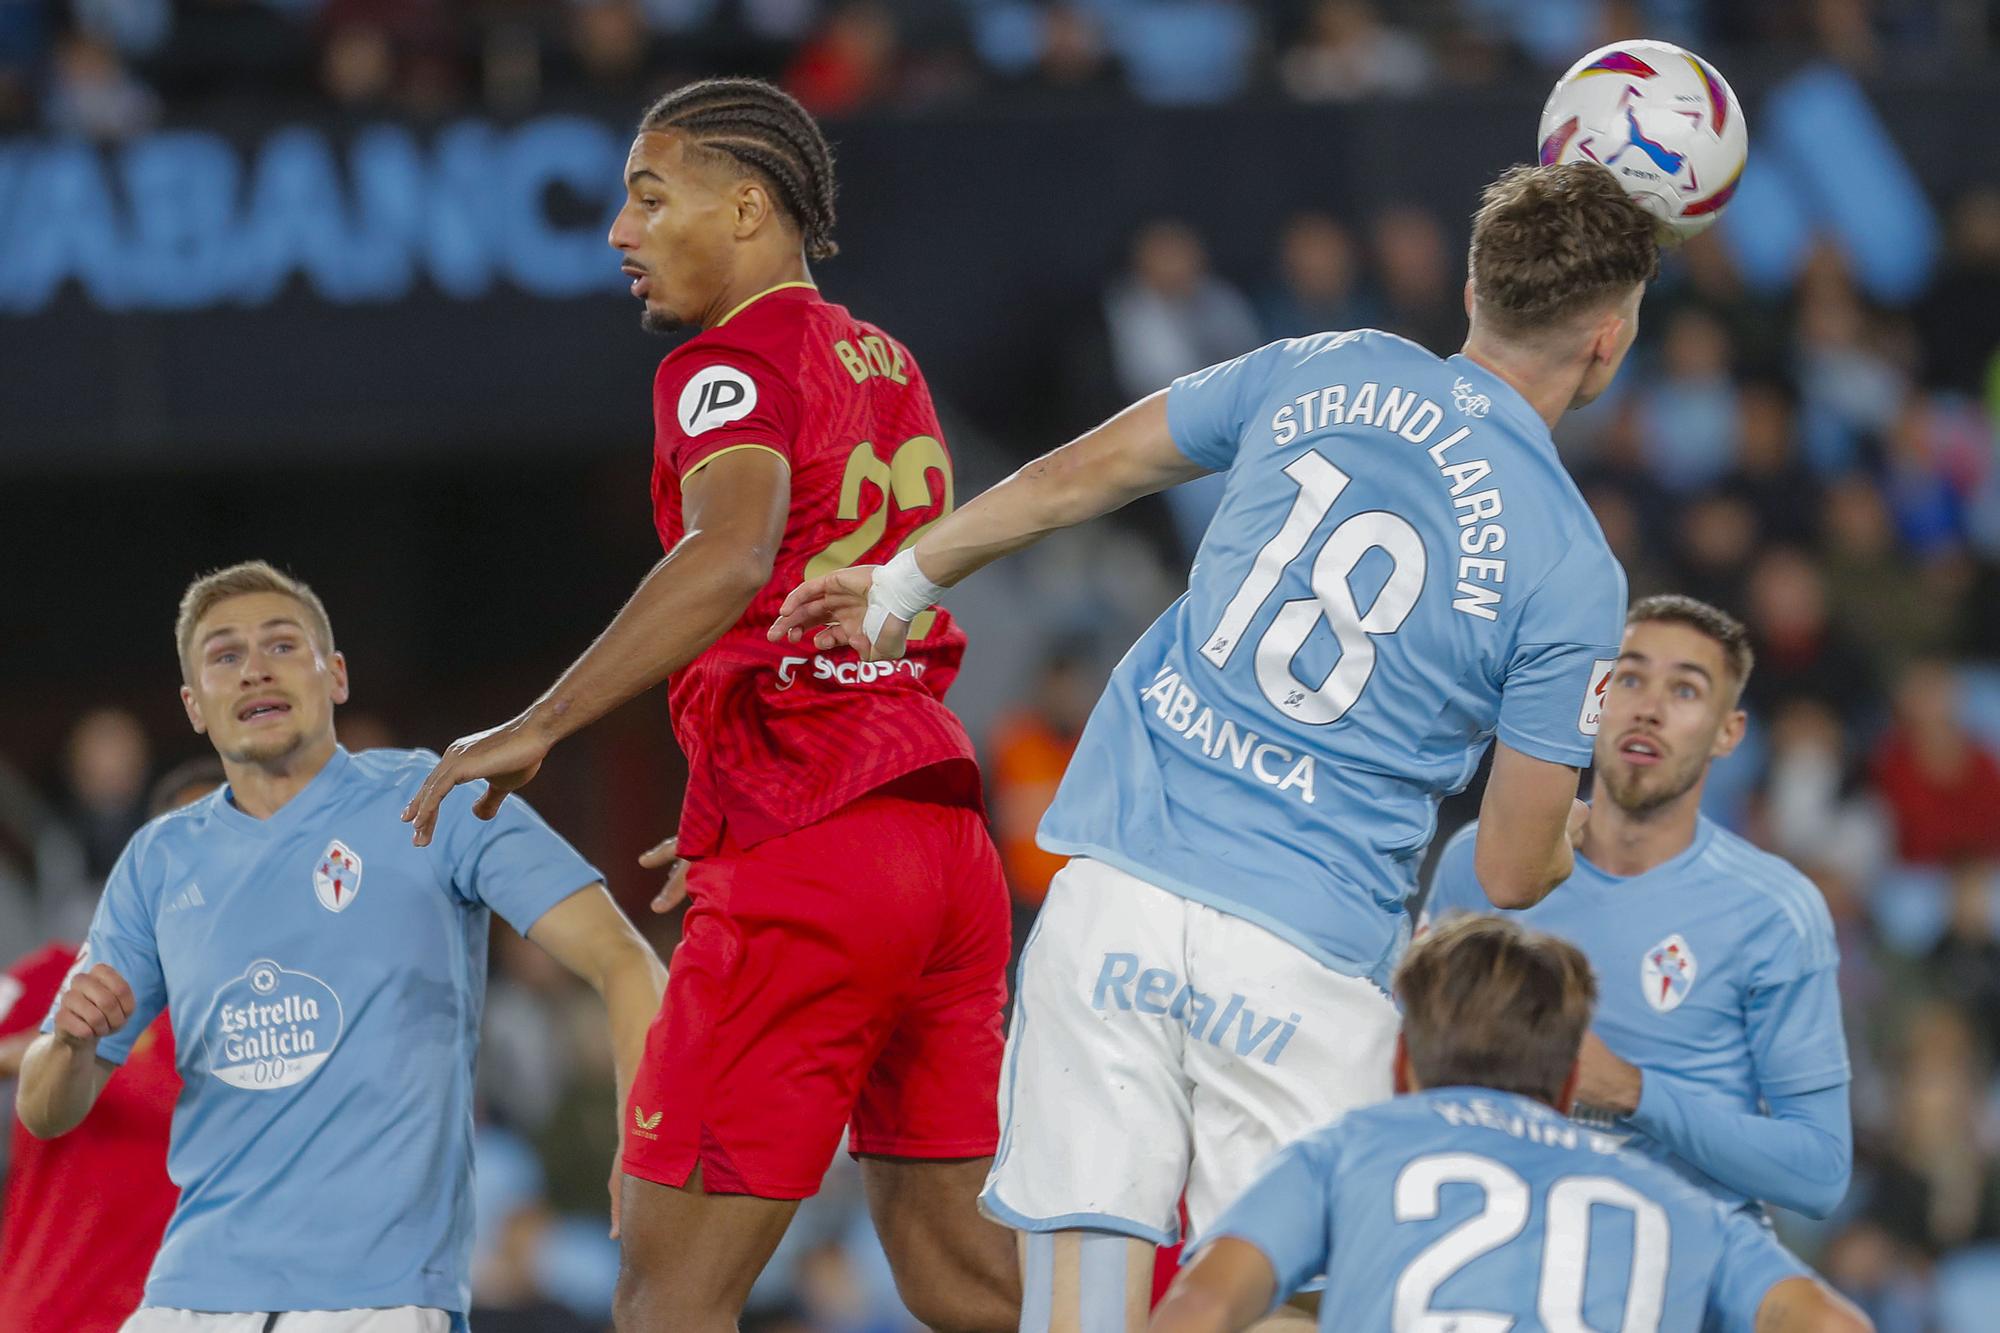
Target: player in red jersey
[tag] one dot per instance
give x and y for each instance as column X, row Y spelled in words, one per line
column 83, row 1213
column 843, row 958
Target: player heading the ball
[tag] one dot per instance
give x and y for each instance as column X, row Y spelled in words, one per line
column 1398, row 571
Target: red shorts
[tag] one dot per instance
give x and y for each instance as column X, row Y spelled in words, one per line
column 849, row 973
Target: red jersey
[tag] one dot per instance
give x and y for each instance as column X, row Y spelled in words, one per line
column 83, row 1213
column 779, row 735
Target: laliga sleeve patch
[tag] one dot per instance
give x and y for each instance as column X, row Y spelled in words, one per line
column 716, row 396
column 1593, row 695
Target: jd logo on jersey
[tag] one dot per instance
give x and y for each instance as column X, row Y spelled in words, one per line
column 716, row 396
column 337, row 878
column 1667, row 973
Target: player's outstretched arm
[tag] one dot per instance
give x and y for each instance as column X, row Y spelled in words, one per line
column 1131, row 455
column 61, row 1076
column 1806, row 1305
column 587, row 934
column 1529, row 825
column 735, row 511
column 1229, row 1286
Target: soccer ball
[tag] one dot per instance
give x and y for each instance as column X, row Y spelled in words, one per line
column 1662, row 119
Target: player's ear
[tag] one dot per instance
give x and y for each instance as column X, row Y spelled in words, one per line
column 1468, row 298
column 193, row 708
column 753, row 207
column 1730, row 734
column 1609, row 342
column 1404, row 1081
column 337, row 667
column 1567, row 1097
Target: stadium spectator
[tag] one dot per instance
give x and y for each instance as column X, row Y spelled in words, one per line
column 1960, row 317
column 1026, row 756
column 850, row 63
column 1769, row 473
column 1852, row 389
column 1937, row 1187
column 1964, row 968
column 105, row 770
column 1421, row 293
column 1075, row 59
column 1347, row 53
column 1716, row 539
column 1800, row 651
column 1169, row 314
column 1689, row 414
column 92, row 93
column 1813, row 812
column 1317, row 287
column 1879, row 594
column 1941, row 785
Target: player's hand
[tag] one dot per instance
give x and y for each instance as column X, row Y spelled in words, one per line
column 1579, row 815
column 507, row 756
column 671, row 895
column 94, row 1005
column 1605, row 1081
column 836, row 607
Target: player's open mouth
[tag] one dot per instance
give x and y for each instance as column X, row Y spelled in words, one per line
column 259, row 710
column 641, row 281
column 1641, row 750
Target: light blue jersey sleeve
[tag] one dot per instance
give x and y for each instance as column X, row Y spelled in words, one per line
column 1797, row 1039
column 514, row 863
column 1454, row 888
column 1287, row 1212
column 121, row 936
column 1564, row 650
column 1752, row 1263
column 1208, row 410
column 1801, row 1153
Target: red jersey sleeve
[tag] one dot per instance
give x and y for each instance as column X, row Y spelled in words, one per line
column 28, row 988
column 716, row 398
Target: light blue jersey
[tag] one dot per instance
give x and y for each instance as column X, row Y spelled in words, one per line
column 1399, row 568
column 325, row 980
column 1495, row 1209
column 1717, row 974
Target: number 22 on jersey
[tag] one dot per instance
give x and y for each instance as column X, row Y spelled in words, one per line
column 904, row 481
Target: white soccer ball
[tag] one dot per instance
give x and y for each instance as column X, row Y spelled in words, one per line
column 1662, row 119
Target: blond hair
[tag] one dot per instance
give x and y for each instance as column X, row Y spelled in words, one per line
column 252, row 576
column 1488, row 1004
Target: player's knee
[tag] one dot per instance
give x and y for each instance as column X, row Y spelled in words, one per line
column 645, row 1302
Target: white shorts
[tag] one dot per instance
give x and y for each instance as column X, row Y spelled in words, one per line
column 397, row 1319
column 1162, row 1049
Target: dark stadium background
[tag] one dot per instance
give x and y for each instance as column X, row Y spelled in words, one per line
column 441, row 420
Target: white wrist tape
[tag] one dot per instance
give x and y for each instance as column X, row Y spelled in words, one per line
column 900, row 590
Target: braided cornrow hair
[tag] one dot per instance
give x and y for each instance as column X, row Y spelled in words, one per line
column 765, row 129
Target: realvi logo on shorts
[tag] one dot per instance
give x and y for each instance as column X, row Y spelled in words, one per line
column 1123, row 984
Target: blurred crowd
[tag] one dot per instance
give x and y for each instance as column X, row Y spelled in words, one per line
column 1820, row 465
column 110, row 68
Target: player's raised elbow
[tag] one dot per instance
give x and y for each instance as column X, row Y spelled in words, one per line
column 1507, row 883
column 1817, row 1197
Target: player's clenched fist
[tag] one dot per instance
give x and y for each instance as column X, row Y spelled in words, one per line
column 93, row 1005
